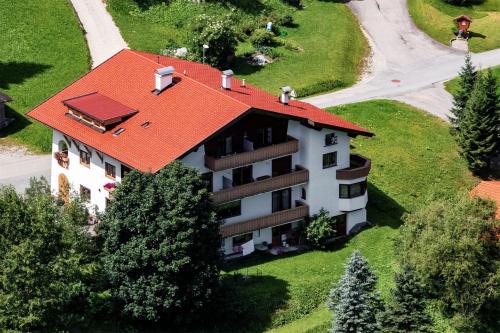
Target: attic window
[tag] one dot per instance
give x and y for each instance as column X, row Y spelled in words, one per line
column 118, row 131
column 146, row 124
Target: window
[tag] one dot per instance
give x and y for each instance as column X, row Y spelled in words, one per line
column 84, row 158
column 225, row 146
column 229, row 209
column 124, row 170
column 330, row 139
column 347, row 191
column 85, row 193
column 303, row 195
column 110, row 170
column 242, row 175
column 282, row 200
column 208, row 179
column 264, row 136
column 329, row 160
column 242, row 239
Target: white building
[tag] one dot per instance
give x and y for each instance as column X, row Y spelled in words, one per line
column 270, row 162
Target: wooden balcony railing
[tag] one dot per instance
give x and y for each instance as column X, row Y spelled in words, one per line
column 285, row 216
column 359, row 167
column 298, row 176
column 260, row 154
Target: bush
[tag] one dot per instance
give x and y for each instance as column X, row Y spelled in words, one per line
column 218, row 34
column 320, row 229
column 319, row 87
column 270, row 52
column 262, row 37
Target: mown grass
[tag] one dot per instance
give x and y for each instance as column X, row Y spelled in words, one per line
column 414, row 158
column 452, row 85
column 332, row 44
column 435, row 17
column 42, row 49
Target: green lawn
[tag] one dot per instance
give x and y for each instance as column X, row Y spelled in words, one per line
column 332, row 42
column 413, row 157
column 452, row 85
column 435, row 17
column 42, row 49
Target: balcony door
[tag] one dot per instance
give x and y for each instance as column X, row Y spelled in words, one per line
column 282, row 165
column 243, row 175
column 282, row 200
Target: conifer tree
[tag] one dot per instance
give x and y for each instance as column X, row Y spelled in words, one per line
column 354, row 299
column 467, row 78
column 407, row 311
column 479, row 128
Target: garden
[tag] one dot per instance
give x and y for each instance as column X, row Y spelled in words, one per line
column 435, row 17
column 39, row 54
column 321, row 40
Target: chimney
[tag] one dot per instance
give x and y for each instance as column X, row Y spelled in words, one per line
column 285, row 94
column 163, row 78
column 226, row 79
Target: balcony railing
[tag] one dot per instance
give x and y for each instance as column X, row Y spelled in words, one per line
column 299, row 212
column 359, row 167
column 297, row 176
column 260, row 154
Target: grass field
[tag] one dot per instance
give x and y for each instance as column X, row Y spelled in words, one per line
column 452, row 85
column 332, row 42
column 42, row 49
column 435, row 17
column 413, row 159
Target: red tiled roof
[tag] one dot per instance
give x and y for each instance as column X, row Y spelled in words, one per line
column 181, row 117
column 99, row 107
column 489, row 190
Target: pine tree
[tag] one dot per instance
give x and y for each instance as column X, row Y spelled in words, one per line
column 354, row 299
column 468, row 76
column 407, row 312
column 479, row 128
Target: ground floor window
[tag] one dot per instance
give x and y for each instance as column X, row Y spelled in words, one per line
column 340, row 222
column 239, row 240
column 229, row 209
column 85, row 193
column 347, row 191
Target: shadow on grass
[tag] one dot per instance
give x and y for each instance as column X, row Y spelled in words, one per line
column 382, row 209
column 242, row 67
column 473, row 34
column 20, row 122
column 17, row 72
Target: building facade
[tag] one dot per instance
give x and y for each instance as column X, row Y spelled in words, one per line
column 269, row 166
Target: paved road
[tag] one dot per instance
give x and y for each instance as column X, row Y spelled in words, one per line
column 407, row 65
column 103, row 37
column 17, row 166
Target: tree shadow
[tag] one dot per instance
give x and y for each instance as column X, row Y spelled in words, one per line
column 242, row 67
column 247, row 6
column 17, row 72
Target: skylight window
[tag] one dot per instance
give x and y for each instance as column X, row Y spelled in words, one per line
column 146, row 124
column 118, row 131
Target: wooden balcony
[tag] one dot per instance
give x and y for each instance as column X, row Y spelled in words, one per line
column 359, row 167
column 297, row 176
column 245, row 158
column 299, row 212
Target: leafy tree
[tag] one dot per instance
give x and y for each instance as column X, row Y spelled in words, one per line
column 479, row 129
column 320, row 229
column 162, row 244
column 218, row 34
column 354, row 299
column 48, row 269
column 407, row 311
column 467, row 78
column 453, row 246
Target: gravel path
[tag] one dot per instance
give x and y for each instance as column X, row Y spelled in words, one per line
column 406, row 65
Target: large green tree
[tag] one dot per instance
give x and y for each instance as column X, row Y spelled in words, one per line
column 479, row 127
column 354, row 300
column 162, row 244
column 454, row 247
column 406, row 313
column 467, row 78
column 48, row 267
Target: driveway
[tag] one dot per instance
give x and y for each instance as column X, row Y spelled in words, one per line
column 17, row 166
column 103, row 37
column 406, row 65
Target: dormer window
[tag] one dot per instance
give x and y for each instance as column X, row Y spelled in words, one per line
column 97, row 111
column 330, row 139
